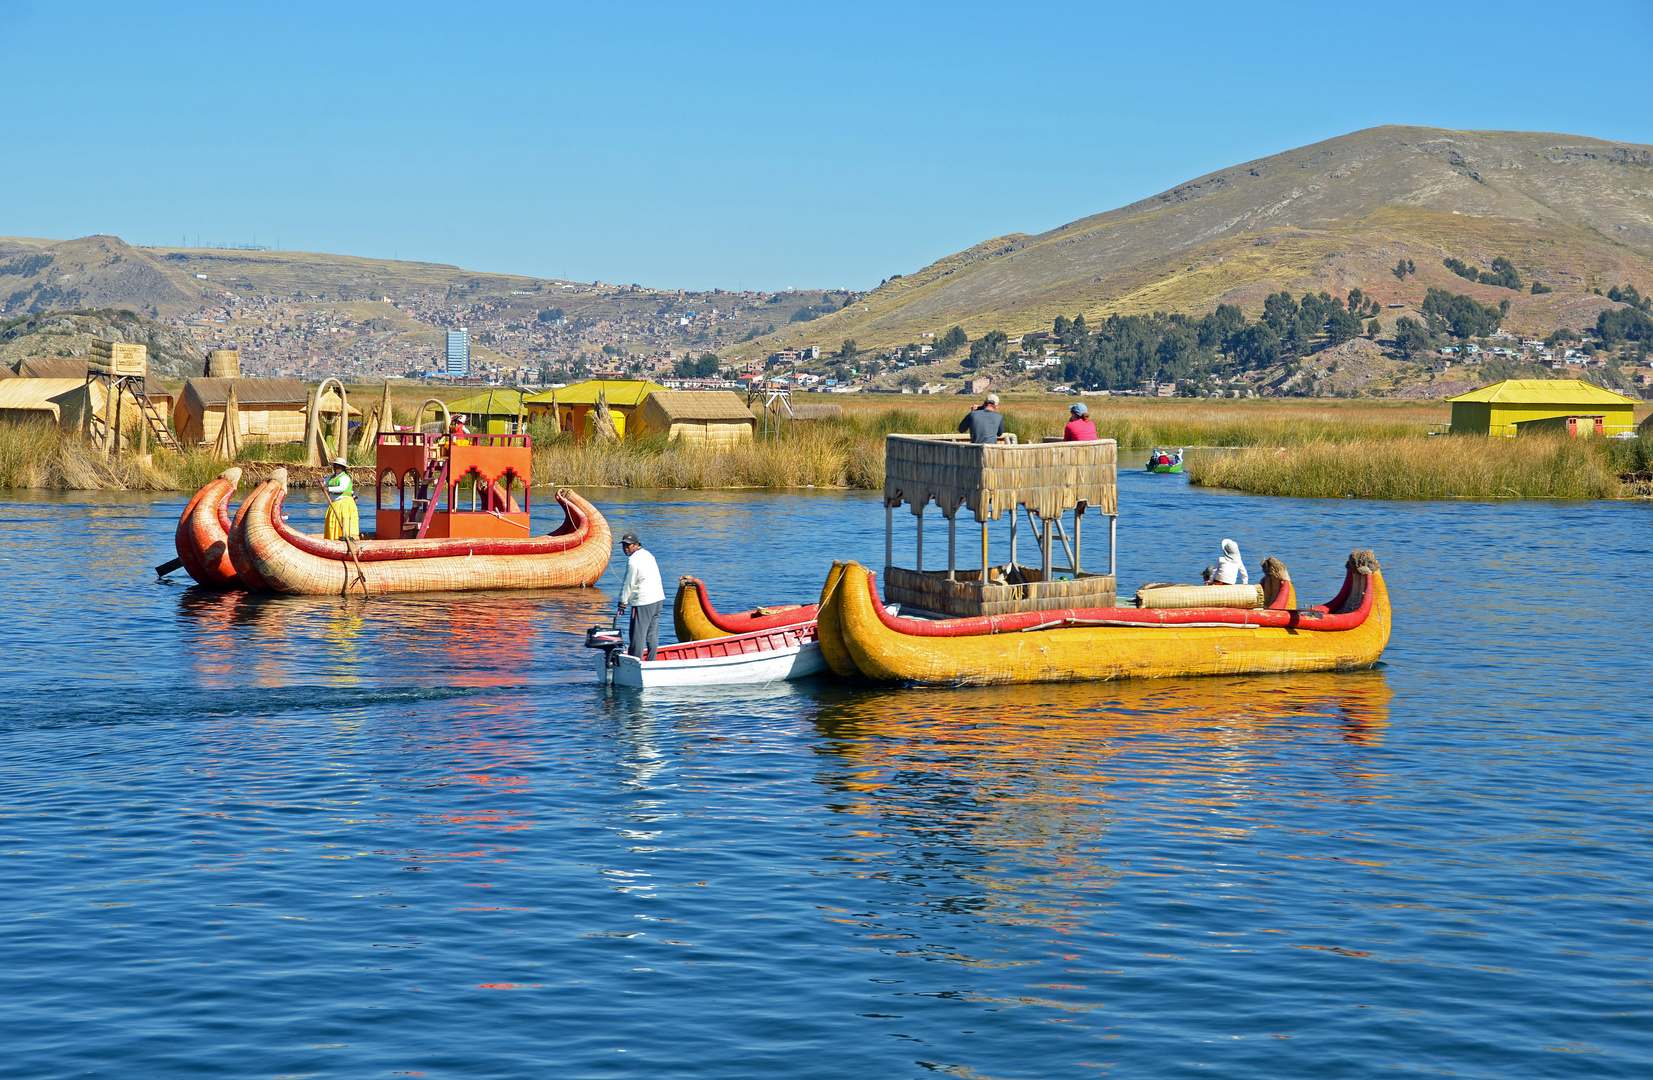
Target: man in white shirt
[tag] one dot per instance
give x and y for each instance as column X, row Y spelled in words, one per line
column 644, row 593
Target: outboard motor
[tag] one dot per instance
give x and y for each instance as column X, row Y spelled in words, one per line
column 610, row 640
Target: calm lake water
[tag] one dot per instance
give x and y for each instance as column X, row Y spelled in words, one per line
column 284, row 837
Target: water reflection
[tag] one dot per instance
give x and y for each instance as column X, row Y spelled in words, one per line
column 957, row 784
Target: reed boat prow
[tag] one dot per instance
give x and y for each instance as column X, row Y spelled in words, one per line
column 202, row 536
column 1113, row 643
column 696, row 620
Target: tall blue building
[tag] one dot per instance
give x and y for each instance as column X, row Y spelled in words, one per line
column 459, row 352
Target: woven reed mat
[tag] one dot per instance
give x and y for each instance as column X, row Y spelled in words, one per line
column 1200, row 596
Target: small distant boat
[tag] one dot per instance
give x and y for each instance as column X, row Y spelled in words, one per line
column 696, row 620
column 779, row 654
column 1161, row 461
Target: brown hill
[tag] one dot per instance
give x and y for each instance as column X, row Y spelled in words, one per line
column 68, row 336
column 1572, row 212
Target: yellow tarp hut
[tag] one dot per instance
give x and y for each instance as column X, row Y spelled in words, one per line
column 575, row 402
column 492, row 412
column 715, row 419
column 270, row 410
column 1516, row 405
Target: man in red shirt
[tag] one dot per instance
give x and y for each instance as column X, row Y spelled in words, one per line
column 1080, row 428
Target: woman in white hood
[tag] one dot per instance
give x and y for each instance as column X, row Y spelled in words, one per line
column 1231, row 568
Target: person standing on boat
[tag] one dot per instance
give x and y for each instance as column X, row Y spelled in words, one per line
column 343, row 522
column 984, row 423
column 1080, row 428
column 645, row 595
column 1231, row 568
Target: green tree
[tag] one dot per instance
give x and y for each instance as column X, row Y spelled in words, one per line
column 1373, row 329
column 1539, row 288
column 1411, row 337
column 952, row 341
column 1404, row 267
column 1341, row 326
column 848, row 350
column 550, row 314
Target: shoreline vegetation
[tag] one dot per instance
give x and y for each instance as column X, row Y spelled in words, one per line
column 1303, row 448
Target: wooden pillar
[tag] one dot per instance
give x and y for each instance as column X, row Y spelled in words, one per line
column 889, row 537
column 984, row 563
column 921, row 509
column 1044, row 552
column 952, row 548
column 1015, row 512
column 1078, row 516
column 112, row 410
column 1113, row 538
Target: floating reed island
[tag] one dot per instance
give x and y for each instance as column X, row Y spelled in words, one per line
column 1367, row 449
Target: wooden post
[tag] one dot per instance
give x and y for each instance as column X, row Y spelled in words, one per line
column 889, row 537
column 1044, row 553
column 113, row 409
column 1078, row 516
column 143, row 429
column 1113, row 535
column 952, row 533
column 1014, row 514
column 984, row 554
column 921, row 509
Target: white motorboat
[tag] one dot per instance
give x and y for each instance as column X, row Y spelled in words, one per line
column 754, row 659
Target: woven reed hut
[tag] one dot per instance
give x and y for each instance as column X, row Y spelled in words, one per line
column 269, row 410
column 576, row 402
column 68, row 367
column 716, row 419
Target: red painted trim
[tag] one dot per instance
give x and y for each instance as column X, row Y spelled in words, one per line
column 387, row 550
column 768, row 640
column 1293, row 619
column 744, row 622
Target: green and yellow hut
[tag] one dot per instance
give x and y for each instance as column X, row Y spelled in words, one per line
column 492, row 412
column 1529, row 406
column 576, row 402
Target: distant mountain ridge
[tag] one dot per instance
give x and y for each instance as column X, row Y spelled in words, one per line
column 1572, row 212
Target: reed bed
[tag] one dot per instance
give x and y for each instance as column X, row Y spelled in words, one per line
column 42, row 455
column 820, row 456
column 1422, row 468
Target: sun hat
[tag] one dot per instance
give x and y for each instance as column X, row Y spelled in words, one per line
column 340, row 462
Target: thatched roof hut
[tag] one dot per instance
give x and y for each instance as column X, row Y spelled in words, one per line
column 712, row 418
column 576, row 403
column 270, row 410
column 69, row 367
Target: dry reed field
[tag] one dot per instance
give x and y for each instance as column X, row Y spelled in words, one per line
column 1422, row 467
column 1307, row 448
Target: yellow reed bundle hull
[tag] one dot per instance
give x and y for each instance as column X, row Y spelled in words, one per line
column 1095, row 653
column 689, row 616
column 829, row 625
column 492, row 564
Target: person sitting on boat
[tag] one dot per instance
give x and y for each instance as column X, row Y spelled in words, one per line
column 644, row 593
column 1231, row 568
column 1080, row 428
column 984, row 423
column 458, row 428
column 343, row 522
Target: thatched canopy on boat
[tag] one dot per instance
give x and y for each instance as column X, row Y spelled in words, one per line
column 1049, row 478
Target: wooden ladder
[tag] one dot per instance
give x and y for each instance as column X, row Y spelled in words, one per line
column 423, row 509
column 156, row 420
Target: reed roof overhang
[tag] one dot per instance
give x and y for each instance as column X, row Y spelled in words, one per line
column 990, row 478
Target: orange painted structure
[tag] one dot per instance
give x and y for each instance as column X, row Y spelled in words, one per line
column 437, row 487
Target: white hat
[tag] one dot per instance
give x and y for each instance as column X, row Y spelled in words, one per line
column 340, row 462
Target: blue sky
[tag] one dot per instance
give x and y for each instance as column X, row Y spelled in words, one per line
column 757, row 146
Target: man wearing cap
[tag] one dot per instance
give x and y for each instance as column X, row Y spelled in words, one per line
column 342, row 520
column 644, row 593
column 1080, row 428
column 984, row 423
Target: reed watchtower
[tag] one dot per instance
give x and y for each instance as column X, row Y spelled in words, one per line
column 1046, row 481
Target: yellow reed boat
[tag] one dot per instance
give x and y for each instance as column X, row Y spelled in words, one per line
column 860, row 636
